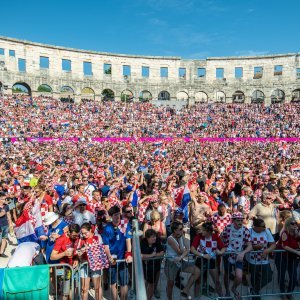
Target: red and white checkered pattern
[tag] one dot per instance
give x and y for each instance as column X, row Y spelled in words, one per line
column 262, row 238
column 96, row 255
column 123, row 225
column 235, row 239
column 207, row 245
column 220, row 222
column 142, row 208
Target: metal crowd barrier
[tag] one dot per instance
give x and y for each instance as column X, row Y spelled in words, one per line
column 269, row 280
column 280, row 277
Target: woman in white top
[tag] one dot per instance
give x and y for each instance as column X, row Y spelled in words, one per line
column 178, row 248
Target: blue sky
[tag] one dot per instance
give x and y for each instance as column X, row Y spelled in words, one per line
column 187, row 28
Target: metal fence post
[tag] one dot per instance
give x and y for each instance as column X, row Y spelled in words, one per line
column 137, row 263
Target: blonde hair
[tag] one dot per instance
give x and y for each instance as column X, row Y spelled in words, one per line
column 288, row 222
column 155, row 215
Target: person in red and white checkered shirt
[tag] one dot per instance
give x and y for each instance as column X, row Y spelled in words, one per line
column 237, row 239
column 221, row 219
column 259, row 265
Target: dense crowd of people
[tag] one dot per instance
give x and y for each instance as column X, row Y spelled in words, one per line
column 72, row 202
column 47, row 117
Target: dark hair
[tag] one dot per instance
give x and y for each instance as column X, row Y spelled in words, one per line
column 113, row 210
column 208, row 226
column 258, row 222
column 150, row 232
column 175, row 225
column 74, row 228
column 86, row 226
column 64, row 209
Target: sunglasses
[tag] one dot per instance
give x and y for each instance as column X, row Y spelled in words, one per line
column 293, row 223
column 82, row 205
column 128, row 211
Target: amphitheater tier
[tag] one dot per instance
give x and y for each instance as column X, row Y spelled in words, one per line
column 80, row 74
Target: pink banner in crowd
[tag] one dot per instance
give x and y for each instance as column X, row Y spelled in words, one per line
column 154, row 139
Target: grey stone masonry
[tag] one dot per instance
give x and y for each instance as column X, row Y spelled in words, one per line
column 268, row 78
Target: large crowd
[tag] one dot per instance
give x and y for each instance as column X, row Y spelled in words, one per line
column 72, row 202
column 48, row 117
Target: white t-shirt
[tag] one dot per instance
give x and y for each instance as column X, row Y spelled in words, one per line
column 24, row 255
column 86, row 217
column 262, row 238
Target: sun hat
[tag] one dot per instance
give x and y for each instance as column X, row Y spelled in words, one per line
column 50, row 218
column 237, row 215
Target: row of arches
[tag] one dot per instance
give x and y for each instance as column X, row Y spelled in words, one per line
column 88, row 94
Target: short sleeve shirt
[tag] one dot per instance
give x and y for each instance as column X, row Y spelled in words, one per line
column 262, row 238
column 115, row 238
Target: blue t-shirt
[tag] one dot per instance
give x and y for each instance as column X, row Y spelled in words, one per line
column 59, row 229
column 116, row 240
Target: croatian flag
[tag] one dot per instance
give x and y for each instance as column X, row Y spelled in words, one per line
column 182, row 196
column 24, row 229
column 65, row 123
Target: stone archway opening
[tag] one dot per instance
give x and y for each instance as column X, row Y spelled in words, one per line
column 201, row 97
column 1, row 88
column 220, row 97
column 108, row 95
column 21, row 88
column 145, row 96
column 127, row 96
column 87, row 95
column 67, row 94
column 164, row 95
column 296, row 95
column 45, row 90
column 238, row 97
column 182, row 96
column 278, row 96
column 257, row 97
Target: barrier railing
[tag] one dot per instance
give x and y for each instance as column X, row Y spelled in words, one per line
column 258, row 280
column 179, row 279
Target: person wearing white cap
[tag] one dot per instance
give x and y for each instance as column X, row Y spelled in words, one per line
column 81, row 214
column 56, row 227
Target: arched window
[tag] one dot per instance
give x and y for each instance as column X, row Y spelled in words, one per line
column 201, row 97
column 220, row 97
column 182, row 96
column 296, row 95
column 145, row 96
column 127, row 96
column 238, row 97
column 164, row 95
column 44, row 88
column 21, row 88
column 67, row 94
column 108, row 95
column 87, row 94
column 277, row 96
column 257, row 97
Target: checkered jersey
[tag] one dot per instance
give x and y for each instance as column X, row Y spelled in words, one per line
column 235, row 239
column 245, row 203
column 220, row 222
column 96, row 255
column 142, row 208
column 207, row 245
column 262, row 238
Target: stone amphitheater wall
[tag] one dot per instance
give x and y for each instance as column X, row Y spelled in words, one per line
column 216, row 89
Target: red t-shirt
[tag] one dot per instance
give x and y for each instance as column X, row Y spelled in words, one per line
column 207, row 245
column 291, row 241
column 212, row 202
column 62, row 244
column 48, row 199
